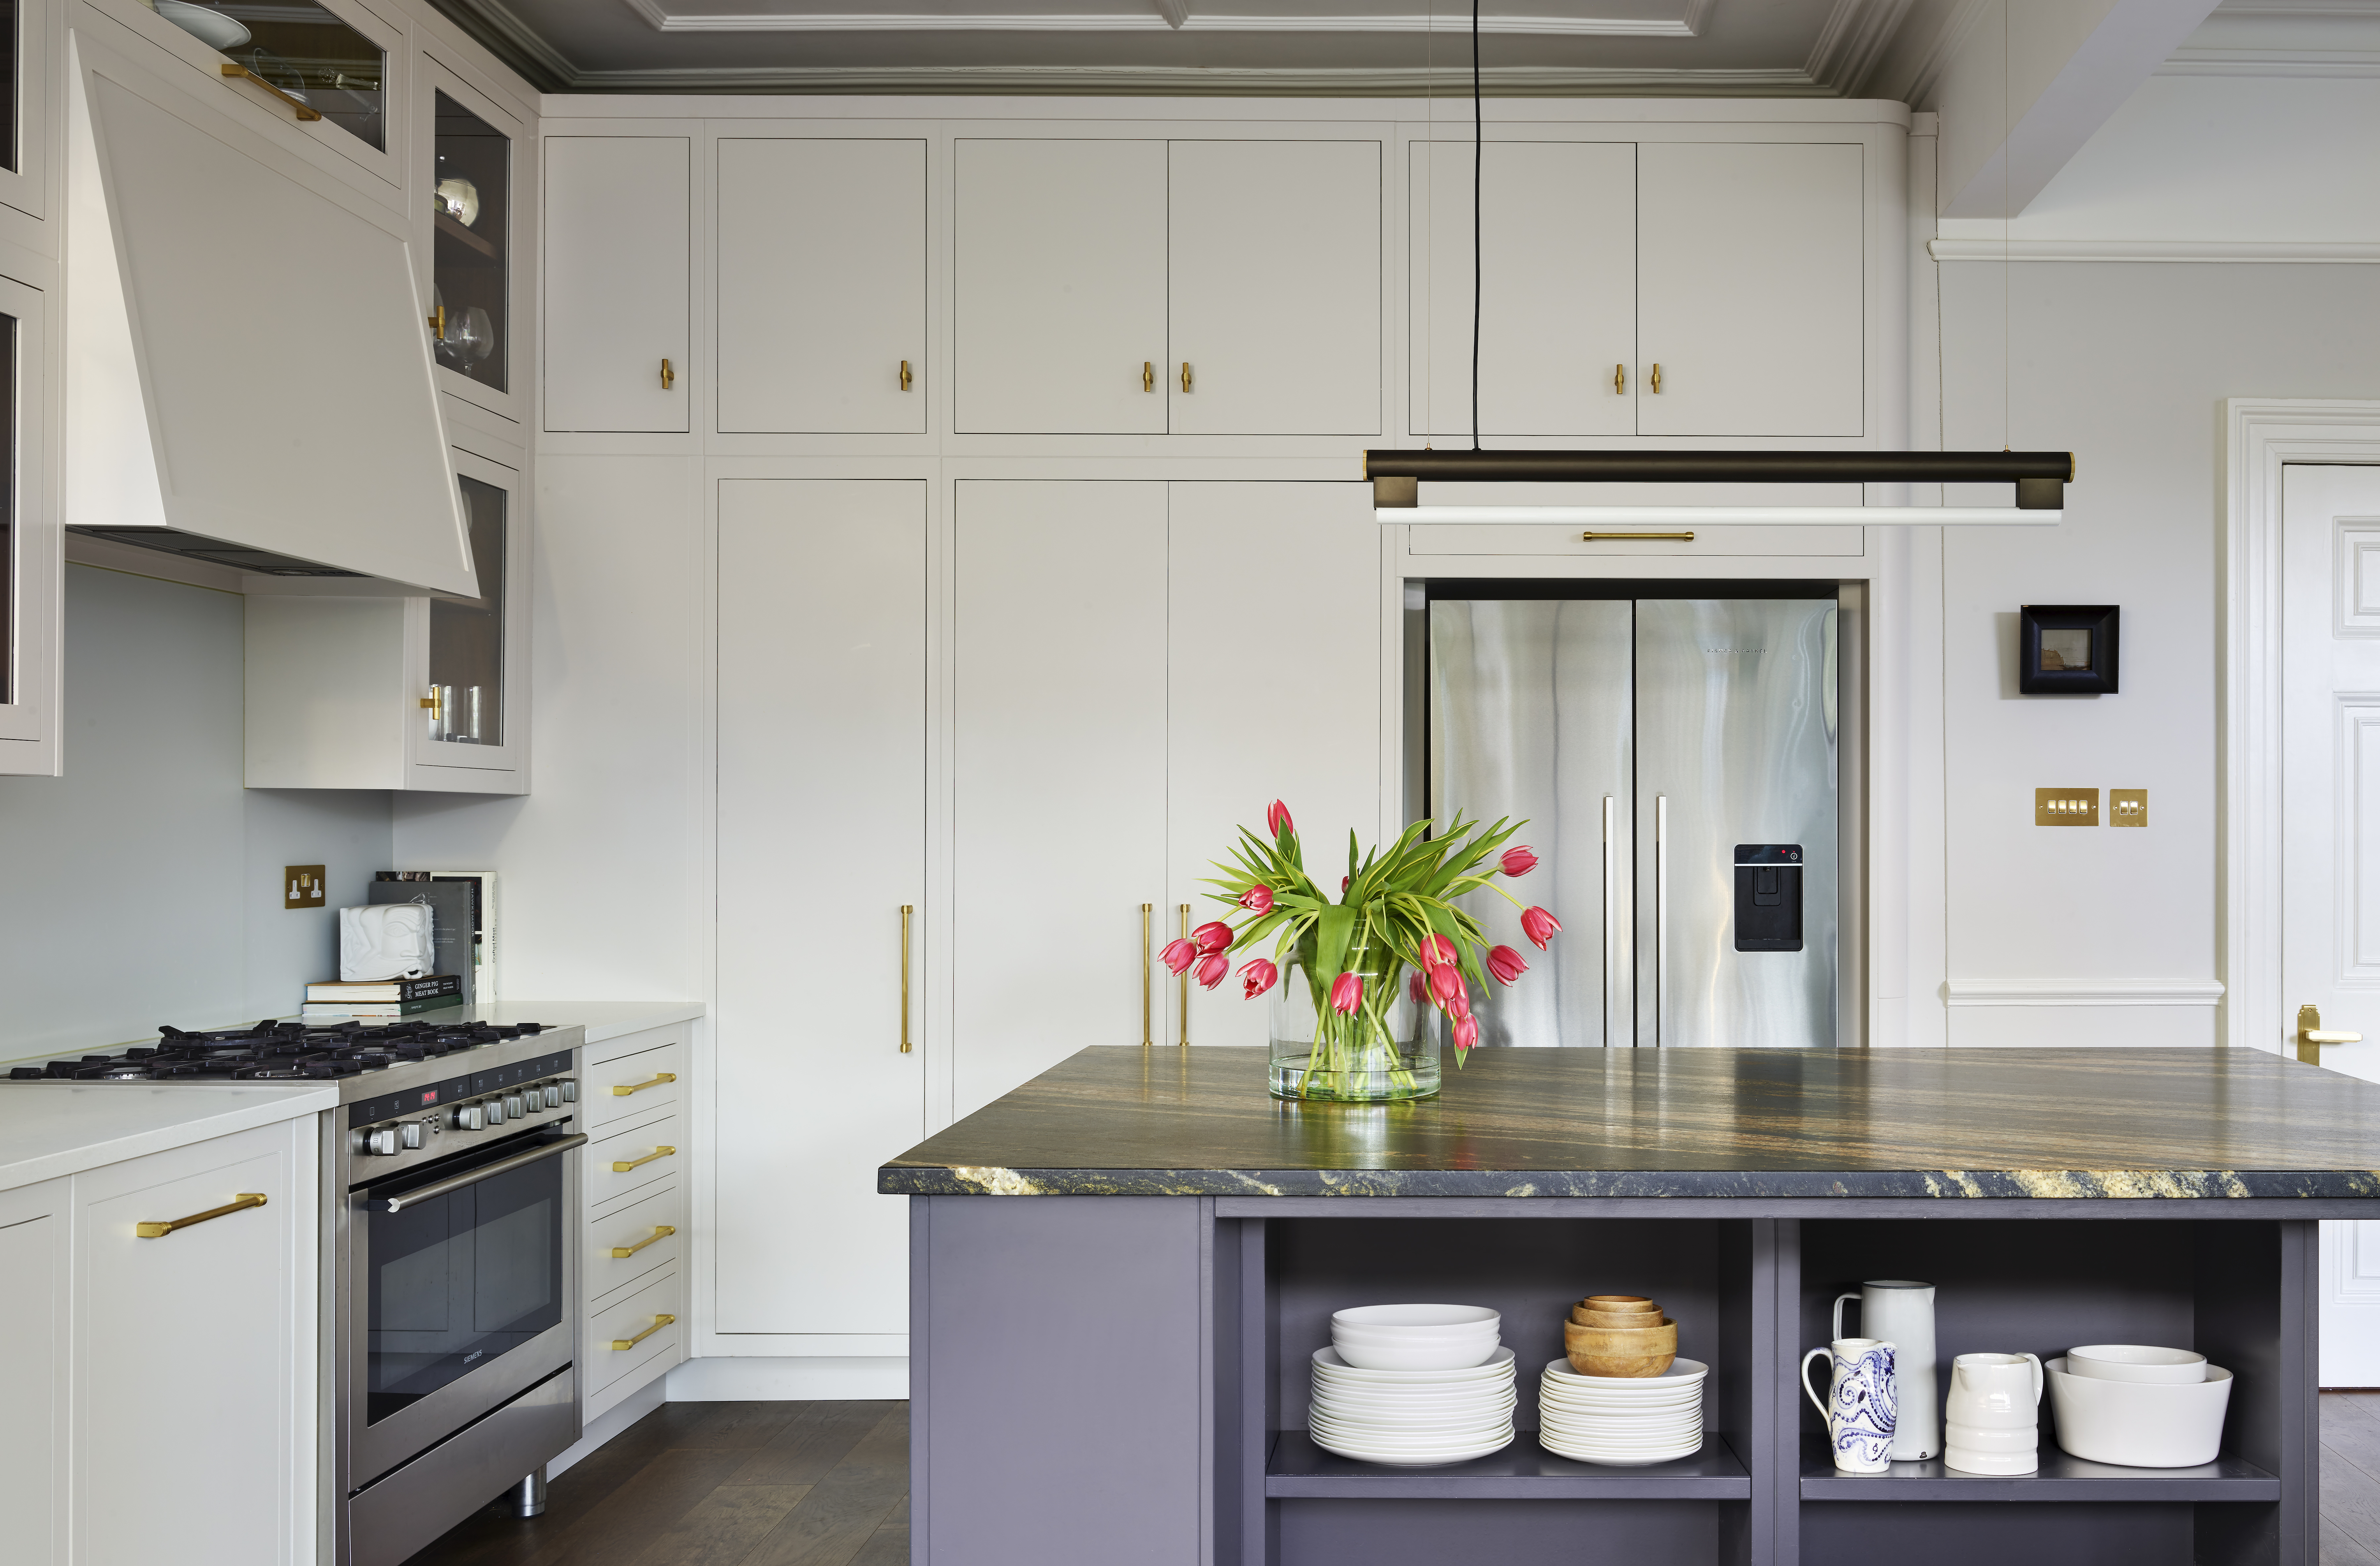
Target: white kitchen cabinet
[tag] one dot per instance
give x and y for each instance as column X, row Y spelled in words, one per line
column 821, row 823
column 618, row 299
column 471, row 225
column 821, row 305
column 1752, row 295
column 636, row 1235
column 33, row 1380
column 1060, row 303
column 32, row 579
column 1059, row 761
column 1273, row 288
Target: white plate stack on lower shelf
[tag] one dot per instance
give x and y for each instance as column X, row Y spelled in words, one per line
column 1413, row 1386
column 1622, row 1421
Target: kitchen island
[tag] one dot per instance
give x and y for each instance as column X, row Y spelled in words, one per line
column 1116, row 1368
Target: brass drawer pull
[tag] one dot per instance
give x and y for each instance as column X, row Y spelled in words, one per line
column 1148, row 376
column 669, row 376
column 905, row 374
column 1186, row 374
column 620, row 1167
column 658, row 1322
column 621, row 1089
column 660, row 1231
column 297, row 106
column 159, row 1231
column 1605, row 537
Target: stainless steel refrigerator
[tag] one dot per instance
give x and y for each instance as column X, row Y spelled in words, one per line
column 1677, row 760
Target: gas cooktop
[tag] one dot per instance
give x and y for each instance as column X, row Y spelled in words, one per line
column 279, row 1052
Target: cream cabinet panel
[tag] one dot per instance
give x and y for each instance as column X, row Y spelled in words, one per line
column 1274, row 279
column 821, row 840
column 822, row 286
column 1751, row 292
column 33, row 1372
column 1060, row 287
column 1060, row 774
column 618, row 213
column 1558, row 317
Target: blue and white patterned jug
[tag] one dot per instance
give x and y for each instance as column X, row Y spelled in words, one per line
column 1858, row 1408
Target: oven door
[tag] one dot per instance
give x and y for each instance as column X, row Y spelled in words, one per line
column 455, row 1294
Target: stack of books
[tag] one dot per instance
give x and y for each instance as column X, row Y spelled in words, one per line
column 381, row 998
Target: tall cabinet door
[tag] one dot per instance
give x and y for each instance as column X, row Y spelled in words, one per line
column 33, row 1423
column 822, row 286
column 1060, row 774
column 1275, row 287
column 821, row 840
column 618, row 211
column 1060, row 287
column 1272, row 692
column 1558, row 317
column 1751, row 302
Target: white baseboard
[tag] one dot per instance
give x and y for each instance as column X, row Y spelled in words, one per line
column 775, row 1377
column 612, row 1421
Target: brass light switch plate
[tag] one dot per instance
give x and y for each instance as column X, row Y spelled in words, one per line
column 2066, row 807
column 301, row 887
column 2127, row 806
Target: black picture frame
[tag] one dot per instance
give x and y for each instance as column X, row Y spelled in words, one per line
column 2099, row 625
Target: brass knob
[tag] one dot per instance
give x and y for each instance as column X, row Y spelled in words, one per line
column 1657, row 381
column 905, row 374
column 669, row 376
column 1148, row 376
column 1619, row 380
column 1186, row 374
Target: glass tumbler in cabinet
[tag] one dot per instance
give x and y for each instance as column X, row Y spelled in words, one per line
column 470, row 215
column 465, row 704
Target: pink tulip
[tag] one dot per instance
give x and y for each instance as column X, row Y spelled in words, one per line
column 1418, row 988
column 1457, row 1005
column 1257, row 976
column 1445, row 980
column 1506, row 964
column 1466, row 1033
column 1436, row 948
column 1276, row 820
column 1178, row 955
column 1215, row 935
column 1212, row 970
column 1257, row 899
column 1539, row 926
column 1347, row 993
column 1520, row 861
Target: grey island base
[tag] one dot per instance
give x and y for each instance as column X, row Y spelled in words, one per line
column 1120, row 1272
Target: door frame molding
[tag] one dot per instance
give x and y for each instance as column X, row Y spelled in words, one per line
column 2261, row 436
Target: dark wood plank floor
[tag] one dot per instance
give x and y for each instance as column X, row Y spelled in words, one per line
column 2351, row 1479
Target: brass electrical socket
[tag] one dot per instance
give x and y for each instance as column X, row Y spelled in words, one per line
column 2066, row 807
column 301, row 887
column 2127, row 806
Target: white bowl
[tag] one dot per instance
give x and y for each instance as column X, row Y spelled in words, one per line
column 210, row 27
column 1440, row 1316
column 1328, row 1363
column 1454, row 1354
column 2135, row 1362
column 2140, row 1424
column 1413, row 1335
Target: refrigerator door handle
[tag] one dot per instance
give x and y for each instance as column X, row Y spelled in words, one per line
column 1610, row 934
column 1660, row 913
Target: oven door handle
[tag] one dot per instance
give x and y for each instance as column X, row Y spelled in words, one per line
column 542, row 1150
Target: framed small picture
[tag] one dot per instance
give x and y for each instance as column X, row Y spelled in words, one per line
column 2067, row 650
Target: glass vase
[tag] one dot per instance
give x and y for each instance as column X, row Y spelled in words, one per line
column 1385, row 1052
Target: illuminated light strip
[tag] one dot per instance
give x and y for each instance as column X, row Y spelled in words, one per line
column 1724, row 516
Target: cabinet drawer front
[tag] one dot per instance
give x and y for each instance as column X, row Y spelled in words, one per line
column 1567, row 541
column 635, row 1319
column 634, row 1227
column 630, row 1085
column 642, row 1149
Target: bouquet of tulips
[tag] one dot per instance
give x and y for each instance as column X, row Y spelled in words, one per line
column 1394, row 911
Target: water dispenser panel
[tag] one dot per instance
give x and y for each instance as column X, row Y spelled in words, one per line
column 1768, row 897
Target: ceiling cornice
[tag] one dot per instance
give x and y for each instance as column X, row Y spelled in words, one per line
column 1172, row 16
column 496, row 28
column 1852, row 42
column 1201, row 81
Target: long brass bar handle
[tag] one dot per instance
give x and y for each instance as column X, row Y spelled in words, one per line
column 1148, row 974
column 1148, row 376
column 1610, row 916
column 622, row 1166
column 658, row 1322
column 297, row 106
column 669, row 376
column 1186, row 374
column 1660, row 914
column 621, row 1089
column 660, row 1231
column 1185, row 981
column 1619, row 380
column 907, row 910
column 1657, row 380
column 159, row 1231
column 905, row 374
column 1607, row 537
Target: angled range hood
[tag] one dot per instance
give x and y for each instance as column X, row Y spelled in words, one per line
column 248, row 380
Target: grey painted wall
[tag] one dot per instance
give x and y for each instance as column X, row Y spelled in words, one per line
column 144, row 886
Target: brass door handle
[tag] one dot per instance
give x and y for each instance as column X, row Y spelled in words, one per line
column 1186, row 374
column 905, row 374
column 660, row 1231
column 623, row 1166
column 297, row 106
column 437, row 320
column 1185, row 972
column 658, row 1322
column 621, row 1089
column 2312, row 1036
column 1147, row 973
column 907, row 909
column 669, row 376
column 1657, row 380
column 1619, row 380
column 1148, row 376
column 159, row 1231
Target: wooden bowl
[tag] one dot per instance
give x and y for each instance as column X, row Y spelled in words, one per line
column 1642, row 1368
column 1622, row 1351
column 1608, row 1303
column 1582, row 1317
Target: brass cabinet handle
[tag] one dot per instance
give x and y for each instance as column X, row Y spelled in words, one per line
column 658, row 1322
column 1657, row 380
column 159, row 1231
column 437, row 320
column 907, row 909
column 1147, row 973
column 2311, row 1037
column 1148, row 376
column 905, row 374
column 621, row 1089
column 660, row 1231
column 1186, row 973
column 669, row 376
column 622, row 1167
column 297, row 106
column 1619, row 380
column 1607, row 537
column 1186, row 374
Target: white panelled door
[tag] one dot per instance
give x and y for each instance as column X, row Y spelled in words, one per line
column 822, row 286
column 821, row 839
column 1059, row 761
column 1273, row 692
column 1558, row 316
column 2330, row 837
column 618, row 215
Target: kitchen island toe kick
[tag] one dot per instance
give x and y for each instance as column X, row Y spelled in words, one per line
column 1117, row 1367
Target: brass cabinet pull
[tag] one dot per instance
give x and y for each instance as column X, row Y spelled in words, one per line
column 905, row 374
column 437, row 320
column 669, row 376
column 621, row 1089
column 622, row 1167
column 431, row 701
column 2311, row 1037
column 1657, row 380
column 1185, row 978
column 1619, row 380
column 1148, row 376
column 658, row 1322
column 159, row 1231
column 1147, row 973
column 1607, row 537
column 660, row 1231
column 297, row 106
column 1186, row 374
column 907, row 909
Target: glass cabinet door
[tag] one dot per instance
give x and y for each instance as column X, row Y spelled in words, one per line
column 465, row 700
column 470, row 206
column 30, row 581
column 301, row 49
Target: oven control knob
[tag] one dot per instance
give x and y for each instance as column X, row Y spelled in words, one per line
column 410, row 1135
column 470, row 1118
column 569, row 1090
column 513, row 1109
column 383, row 1141
column 495, row 1107
column 553, row 1095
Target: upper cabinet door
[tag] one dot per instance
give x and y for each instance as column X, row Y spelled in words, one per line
column 617, row 216
column 1061, row 287
column 1750, row 260
column 822, row 287
column 469, row 212
column 29, row 584
column 1275, row 280
column 1557, row 316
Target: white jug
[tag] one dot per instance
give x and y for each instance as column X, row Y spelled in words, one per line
column 1901, row 1313
column 1995, row 1413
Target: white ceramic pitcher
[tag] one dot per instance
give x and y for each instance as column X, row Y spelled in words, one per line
column 1901, row 1313
column 1995, row 1413
column 1858, row 1406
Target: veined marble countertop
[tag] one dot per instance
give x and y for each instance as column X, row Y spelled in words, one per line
column 48, row 1129
column 1737, row 1123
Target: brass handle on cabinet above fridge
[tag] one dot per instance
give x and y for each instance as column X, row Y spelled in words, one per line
column 905, row 374
column 1657, row 380
column 1619, row 380
column 669, row 376
column 1186, row 374
column 297, row 106
column 907, row 910
column 1148, row 376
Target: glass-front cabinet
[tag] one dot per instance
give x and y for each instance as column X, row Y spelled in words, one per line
column 471, row 162
column 30, row 585
column 472, row 653
column 334, row 70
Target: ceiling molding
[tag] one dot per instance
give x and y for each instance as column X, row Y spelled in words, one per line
column 1852, row 41
column 1948, row 40
column 495, row 27
column 1196, row 81
column 2249, row 251
column 1175, row 12
column 1176, row 15
column 2352, row 63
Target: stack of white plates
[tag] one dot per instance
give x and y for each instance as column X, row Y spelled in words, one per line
column 1622, row 1420
column 1412, row 1418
